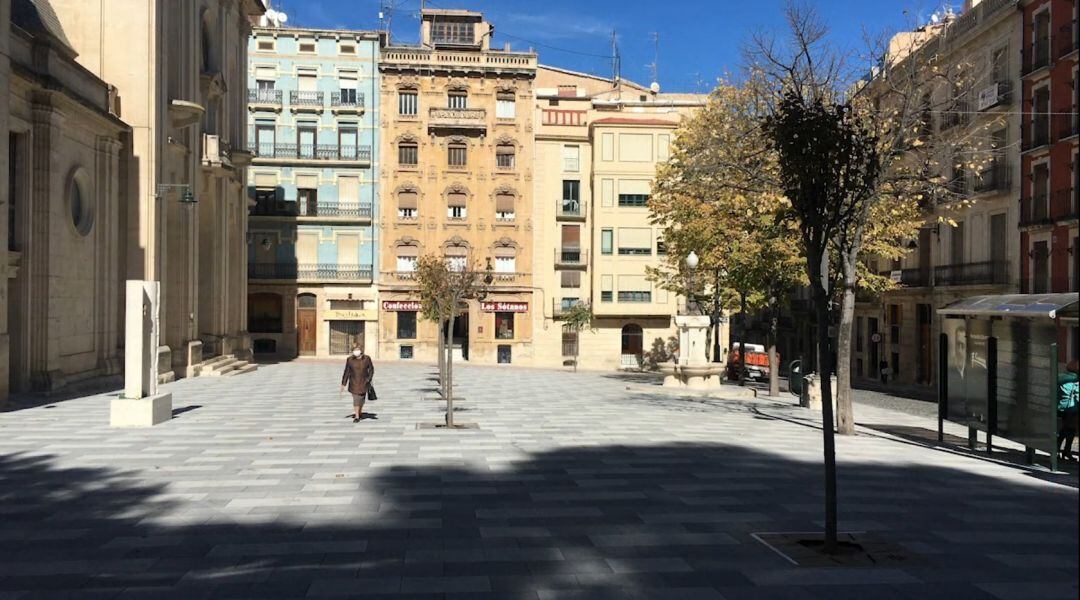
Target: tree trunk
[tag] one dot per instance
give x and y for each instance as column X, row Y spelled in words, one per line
column 450, row 374
column 845, row 417
column 774, row 363
column 717, row 352
column 742, row 339
column 441, row 357
column 819, row 277
column 577, row 347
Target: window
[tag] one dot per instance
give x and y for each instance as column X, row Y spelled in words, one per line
column 957, row 249
column 407, row 103
column 1040, row 197
column 457, row 99
column 633, row 199
column 569, row 341
column 605, row 296
column 305, row 139
column 457, row 155
column 455, row 205
column 452, row 32
column 1040, row 119
column 405, row 352
column 265, row 138
column 345, row 335
column 408, row 154
column 571, row 197
column 505, row 264
column 264, row 313
column 570, row 252
column 607, row 240
column 632, row 340
column 571, row 158
column 406, row 264
column 504, row 207
column 635, row 241
column 406, row 325
column 504, row 325
column 505, row 157
column 456, row 262
column 82, row 215
column 348, row 141
column 505, row 105
column 999, row 65
column 307, row 81
column 635, row 296
column 266, row 45
column 407, row 204
column 894, row 323
column 347, row 48
column 347, row 86
column 570, row 279
column 307, row 47
column 1040, row 281
column 308, row 199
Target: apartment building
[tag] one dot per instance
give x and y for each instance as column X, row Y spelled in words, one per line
column 180, row 74
column 314, row 103
column 1048, row 253
column 598, row 143
column 62, row 154
column 978, row 115
column 457, row 183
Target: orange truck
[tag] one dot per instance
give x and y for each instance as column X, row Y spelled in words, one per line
column 757, row 362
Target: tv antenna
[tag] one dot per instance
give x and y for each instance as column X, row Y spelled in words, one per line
column 616, row 60
column 654, row 67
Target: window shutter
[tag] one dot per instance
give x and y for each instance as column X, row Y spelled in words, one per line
column 349, row 189
column 265, row 180
column 571, row 236
column 634, row 186
column 407, row 200
column 635, row 237
column 265, row 73
column 456, row 251
column 571, row 279
column 307, row 182
column 504, row 203
column 505, row 252
column 408, row 251
column 456, row 199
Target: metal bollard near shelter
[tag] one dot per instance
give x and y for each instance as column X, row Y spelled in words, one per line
column 998, row 362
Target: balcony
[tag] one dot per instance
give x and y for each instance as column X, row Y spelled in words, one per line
column 457, row 118
column 559, row 307
column 343, row 103
column 976, row 273
column 996, row 94
column 1065, row 126
column 312, row 152
column 1037, row 133
column 413, row 58
column 996, row 178
column 508, row 278
column 1035, row 211
column 571, row 257
column 1036, row 57
column 313, row 210
column 266, row 99
column 216, row 152
column 912, row 278
column 305, row 101
column 309, row 272
column 570, row 210
column 1057, row 207
column 1065, row 42
column 958, row 114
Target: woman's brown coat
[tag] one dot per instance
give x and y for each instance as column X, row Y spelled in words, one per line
column 358, row 374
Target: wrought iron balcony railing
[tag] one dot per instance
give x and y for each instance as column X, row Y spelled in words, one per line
column 311, row 151
column 571, row 256
column 1065, row 125
column 302, row 271
column 1037, row 56
column 305, row 98
column 359, row 210
column 346, row 100
column 992, row 272
column 1065, row 41
column 262, row 96
column 917, row 277
column 996, row 178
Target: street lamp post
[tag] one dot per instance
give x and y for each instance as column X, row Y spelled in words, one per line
column 691, row 264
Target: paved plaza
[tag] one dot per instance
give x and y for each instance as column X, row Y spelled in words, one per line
column 571, row 487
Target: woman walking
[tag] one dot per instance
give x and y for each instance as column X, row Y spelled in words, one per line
column 357, row 378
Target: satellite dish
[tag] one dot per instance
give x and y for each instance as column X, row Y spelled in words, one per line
column 655, row 87
column 935, row 18
column 271, row 14
column 282, row 17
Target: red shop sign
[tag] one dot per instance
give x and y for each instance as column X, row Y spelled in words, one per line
column 400, row 305
column 515, row 307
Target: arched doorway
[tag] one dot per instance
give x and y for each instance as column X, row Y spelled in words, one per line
column 306, row 324
column 633, row 341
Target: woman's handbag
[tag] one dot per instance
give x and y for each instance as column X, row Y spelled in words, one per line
column 371, row 392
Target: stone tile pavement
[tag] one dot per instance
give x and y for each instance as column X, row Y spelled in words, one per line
column 572, row 487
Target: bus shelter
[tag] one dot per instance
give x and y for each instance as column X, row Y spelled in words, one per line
column 998, row 367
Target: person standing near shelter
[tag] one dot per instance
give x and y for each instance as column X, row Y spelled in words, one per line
column 357, row 378
column 1068, row 401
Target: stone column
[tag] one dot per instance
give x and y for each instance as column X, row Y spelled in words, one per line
column 35, row 258
column 5, row 293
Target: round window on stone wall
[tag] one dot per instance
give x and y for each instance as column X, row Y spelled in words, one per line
column 80, row 205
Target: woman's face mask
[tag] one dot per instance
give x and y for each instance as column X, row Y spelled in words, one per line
column 357, row 353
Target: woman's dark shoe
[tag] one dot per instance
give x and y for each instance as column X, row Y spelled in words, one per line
column 356, row 419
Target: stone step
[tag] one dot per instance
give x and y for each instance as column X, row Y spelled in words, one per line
column 244, row 367
column 217, row 360
column 224, row 367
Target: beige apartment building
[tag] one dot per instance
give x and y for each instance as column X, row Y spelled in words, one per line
column 61, row 164
column 597, row 147
column 180, row 69
column 456, row 182
column 980, row 116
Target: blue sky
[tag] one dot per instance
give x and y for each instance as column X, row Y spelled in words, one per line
column 700, row 40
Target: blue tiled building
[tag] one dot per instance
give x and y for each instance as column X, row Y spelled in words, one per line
column 313, row 187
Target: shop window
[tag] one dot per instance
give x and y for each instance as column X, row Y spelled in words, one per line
column 504, row 354
column 405, row 352
column 406, row 325
column 504, row 325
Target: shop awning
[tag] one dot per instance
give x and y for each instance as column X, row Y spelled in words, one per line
column 1032, row 306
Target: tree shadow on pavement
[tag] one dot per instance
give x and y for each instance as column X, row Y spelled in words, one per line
column 608, row 522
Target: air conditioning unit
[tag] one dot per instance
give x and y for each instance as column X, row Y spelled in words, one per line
column 988, row 97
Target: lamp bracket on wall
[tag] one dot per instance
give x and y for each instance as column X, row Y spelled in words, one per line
column 186, row 195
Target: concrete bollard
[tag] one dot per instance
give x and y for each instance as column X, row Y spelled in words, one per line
column 811, row 394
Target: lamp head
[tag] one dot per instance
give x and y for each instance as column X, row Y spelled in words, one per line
column 692, row 260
